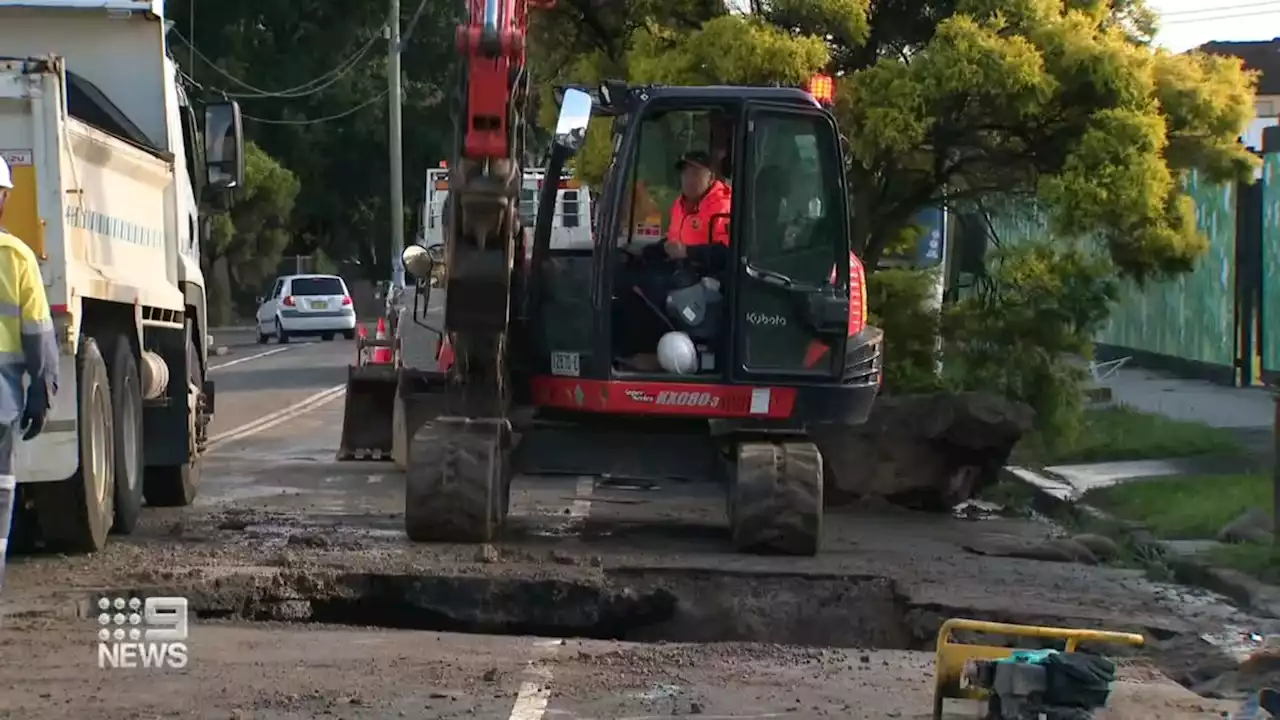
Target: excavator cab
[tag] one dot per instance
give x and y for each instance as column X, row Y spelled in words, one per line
column 764, row 286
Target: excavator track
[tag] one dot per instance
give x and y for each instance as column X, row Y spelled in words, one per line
column 458, row 484
column 775, row 498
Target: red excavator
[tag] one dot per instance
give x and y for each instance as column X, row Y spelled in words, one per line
column 631, row 360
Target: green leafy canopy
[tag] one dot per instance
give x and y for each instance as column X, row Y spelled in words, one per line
column 1064, row 102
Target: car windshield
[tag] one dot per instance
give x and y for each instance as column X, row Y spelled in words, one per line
column 318, row 286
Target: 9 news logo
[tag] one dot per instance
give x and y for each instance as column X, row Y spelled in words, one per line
column 136, row 633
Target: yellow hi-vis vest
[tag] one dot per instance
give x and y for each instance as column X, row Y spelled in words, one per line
column 27, row 342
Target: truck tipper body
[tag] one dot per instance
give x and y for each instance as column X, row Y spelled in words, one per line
column 109, row 167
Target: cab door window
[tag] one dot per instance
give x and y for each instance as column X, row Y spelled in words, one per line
column 795, row 227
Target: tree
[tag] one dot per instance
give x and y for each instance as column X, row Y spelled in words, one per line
column 1066, row 104
column 247, row 240
column 317, row 72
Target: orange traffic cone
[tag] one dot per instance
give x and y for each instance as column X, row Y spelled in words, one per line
column 445, row 355
column 381, row 355
column 362, row 336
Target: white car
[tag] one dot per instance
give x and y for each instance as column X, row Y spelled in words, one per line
column 306, row 305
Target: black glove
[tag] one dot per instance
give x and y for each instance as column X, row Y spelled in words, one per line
column 35, row 411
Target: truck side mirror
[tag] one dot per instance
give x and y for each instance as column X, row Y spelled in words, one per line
column 224, row 145
column 575, row 115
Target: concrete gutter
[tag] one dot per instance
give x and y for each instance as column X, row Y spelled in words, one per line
column 1054, row 494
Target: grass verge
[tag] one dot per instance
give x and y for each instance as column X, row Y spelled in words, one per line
column 1260, row 561
column 1192, row 507
column 1122, row 433
column 1197, row 508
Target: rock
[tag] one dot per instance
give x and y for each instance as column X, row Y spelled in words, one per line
column 1057, row 550
column 1254, row 526
column 1102, row 547
column 1073, row 550
column 927, row 452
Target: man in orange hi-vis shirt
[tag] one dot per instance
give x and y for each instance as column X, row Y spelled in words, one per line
column 697, row 239
column 702, row 198
column 699, row 218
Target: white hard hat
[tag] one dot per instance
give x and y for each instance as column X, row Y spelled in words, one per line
column 6, row 177
column 677, row 354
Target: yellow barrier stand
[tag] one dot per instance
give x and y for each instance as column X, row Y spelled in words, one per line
column 952, row 656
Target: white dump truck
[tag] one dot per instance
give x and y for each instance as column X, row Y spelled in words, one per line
column 110, row 165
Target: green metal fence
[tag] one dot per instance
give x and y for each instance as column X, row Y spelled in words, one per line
column 1189, row 324
column 1189, row 318
column 1270, row 260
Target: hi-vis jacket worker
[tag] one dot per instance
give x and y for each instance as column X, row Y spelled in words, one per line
column 699, row 227
column 697, row 214
column 27, row 347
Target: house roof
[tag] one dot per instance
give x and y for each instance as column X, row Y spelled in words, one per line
column 1262, row 56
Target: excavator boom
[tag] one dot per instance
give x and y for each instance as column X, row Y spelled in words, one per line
column 480, row 228
column 492, row 44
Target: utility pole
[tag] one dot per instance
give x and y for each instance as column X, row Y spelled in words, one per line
column 397, row 146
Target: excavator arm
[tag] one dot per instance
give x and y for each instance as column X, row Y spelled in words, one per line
column 457, row 477
column 484, row 189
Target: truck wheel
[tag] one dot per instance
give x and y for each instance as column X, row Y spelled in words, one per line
column 775, row 501
column 75, row 514
column 126, row 412
column 177, row 485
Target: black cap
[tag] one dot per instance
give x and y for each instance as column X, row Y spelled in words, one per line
column 694, row 157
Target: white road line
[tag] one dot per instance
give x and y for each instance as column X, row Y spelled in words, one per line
column 581, row 506
column 247, row 358
column 535, row 690
column 277, row 417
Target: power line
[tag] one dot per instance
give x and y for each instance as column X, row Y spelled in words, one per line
column 310, row 87
column 413, row 22
column 268, row 121
column 317, row 121
column 1227, row 8
column 1211, row 18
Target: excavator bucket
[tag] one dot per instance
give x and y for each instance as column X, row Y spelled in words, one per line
column 367, row 416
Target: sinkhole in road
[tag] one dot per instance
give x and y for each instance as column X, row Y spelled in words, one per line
column 641, row 605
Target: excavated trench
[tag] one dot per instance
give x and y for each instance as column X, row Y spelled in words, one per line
column 633, row 604
column 641, row 605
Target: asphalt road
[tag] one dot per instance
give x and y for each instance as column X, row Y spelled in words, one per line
column 255, row 380
column 284, row 542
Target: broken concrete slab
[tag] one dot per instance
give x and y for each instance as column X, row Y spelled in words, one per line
column 926, row 452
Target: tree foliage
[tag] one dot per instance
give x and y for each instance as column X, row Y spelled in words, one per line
column 247, row 240
column 276, row 51
column 1063, row 103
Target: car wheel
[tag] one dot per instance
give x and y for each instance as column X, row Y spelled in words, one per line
column 349, row 334
column 327, row 337
column 263, row 337
column 281, row 336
